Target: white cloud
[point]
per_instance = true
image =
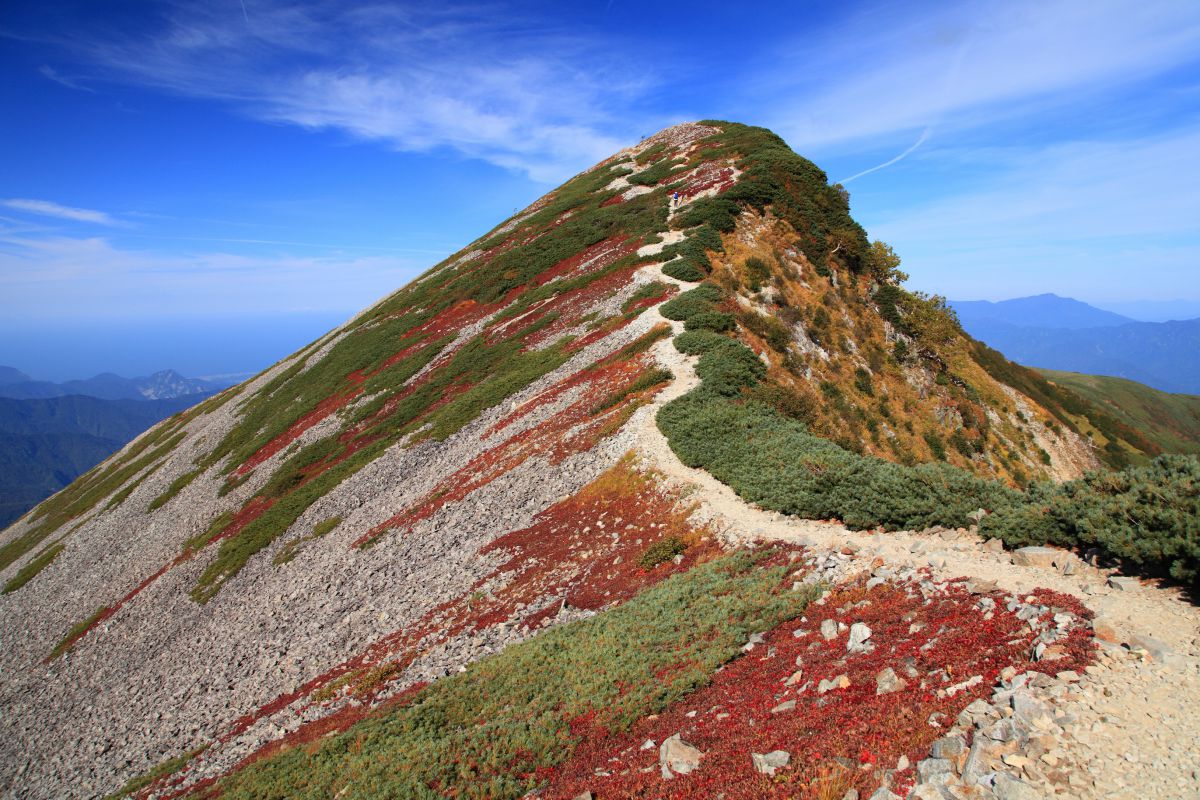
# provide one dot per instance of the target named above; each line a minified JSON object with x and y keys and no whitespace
{"x":470,"y":79}
{"x":904,"y":67}
{"x":48,"y":208}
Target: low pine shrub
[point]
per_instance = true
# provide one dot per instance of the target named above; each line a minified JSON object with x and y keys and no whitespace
{"x":710,"y":321}
{"x":661,"y":551}
{"x":1149,"y":516}
{"x":695,"y":301}
{"x":684,"y":269}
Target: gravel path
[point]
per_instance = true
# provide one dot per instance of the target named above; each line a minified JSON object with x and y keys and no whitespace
{"x":1136,"y":728}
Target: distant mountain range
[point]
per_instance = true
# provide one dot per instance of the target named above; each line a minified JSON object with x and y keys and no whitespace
{"x":1052,"y":332}
{"x":162,"y":385}
{"x":50,"y":433}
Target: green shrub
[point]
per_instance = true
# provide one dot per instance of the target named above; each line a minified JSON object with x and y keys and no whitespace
{"x":936,"y":445}
{"x":658,"y":173}
{"x":862,"y":382}
{"x":710,"y":320}
{"x":683,"y":269}
{"x":776,"y":463}
{"x":1149,"y":517}
{"x":757,"y":272}
{"x":726,"y":366}
{"x":693,"y":301}
{"x":663,"y":550}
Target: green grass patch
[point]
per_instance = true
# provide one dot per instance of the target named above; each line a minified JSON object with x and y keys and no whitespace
{"x":647,"y":291}
{"x":292,"y":548}
{"x":646,"y":380}
{"x":76,"y":630}
{"x":177,"y":486}
{"x":662,"y":551}
{"x":30,"y":570}
{"x":484,"y":733}
{"x":166,"y":768}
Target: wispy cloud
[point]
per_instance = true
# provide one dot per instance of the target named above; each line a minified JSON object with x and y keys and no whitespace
{"x":48,"y":208}
{"x":898,"y":68}
{"x":49,"y":73}
{"x":1101,"y":217}
{"x":473,"y":80}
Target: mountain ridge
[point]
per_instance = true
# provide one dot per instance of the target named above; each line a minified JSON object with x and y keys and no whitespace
{"x":1052,"y":332}
{"x":162,"y":385}
{"x":492,"y":452}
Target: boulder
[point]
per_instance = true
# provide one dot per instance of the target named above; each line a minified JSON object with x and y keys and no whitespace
{"x":767,"y":763}
{"x":784,"y":707}
{"x":829,"y":630}
{"x":859,"y":634}
{"x":676,"y":756}
{"x":1036,"y":556}
{"x":1122,"y":583}
{"x":1156,"y":650}
{"x":887,"y":681}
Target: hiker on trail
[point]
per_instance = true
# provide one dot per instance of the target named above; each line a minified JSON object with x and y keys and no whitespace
{"x":675,"y":199}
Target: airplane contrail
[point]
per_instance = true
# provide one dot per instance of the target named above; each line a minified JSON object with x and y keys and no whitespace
{"x":920,"y":141}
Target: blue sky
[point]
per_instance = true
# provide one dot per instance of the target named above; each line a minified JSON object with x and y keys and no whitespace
{"x":233,"y":164}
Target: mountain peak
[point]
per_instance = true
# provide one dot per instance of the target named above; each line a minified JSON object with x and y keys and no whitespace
{"x":525,"y":436}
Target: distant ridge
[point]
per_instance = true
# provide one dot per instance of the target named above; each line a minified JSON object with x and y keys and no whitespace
{"x":1051,"y":332}
{"x":162,"y":385}
{"x":1038,"y":311}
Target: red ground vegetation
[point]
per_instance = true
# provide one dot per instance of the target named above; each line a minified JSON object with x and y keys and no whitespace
{"x":582,"y":552}
{"x":840,"y":740}
{"x":572,"y":430}
{"x":706,"y":176}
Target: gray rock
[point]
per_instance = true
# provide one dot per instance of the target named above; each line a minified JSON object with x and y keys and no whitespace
{"x":948,"y":747}
{"x":784,"y":707}
{"x":1009,"y":788}
{"x":676,"y":756}
{"x":887,"y":681}
{"x":829,"y":630}
{"x":1122,"y":583}
{"x":993,"y":546}
{"x":859,"y":634}
{"x":1158,"y":651}
{"x":768,"y":763}
{"x":1035,"y":556}
{"x":930,"y":767}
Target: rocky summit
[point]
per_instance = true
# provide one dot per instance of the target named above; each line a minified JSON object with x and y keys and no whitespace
{"x":665,"y":487}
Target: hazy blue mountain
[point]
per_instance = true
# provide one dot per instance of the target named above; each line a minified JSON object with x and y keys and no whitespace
{"x":1040,"y":311}
{"x":46,"y":443}
{"x":162,"y":385}
{"x":1059,"y":333}
{"x":10,"y":375}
